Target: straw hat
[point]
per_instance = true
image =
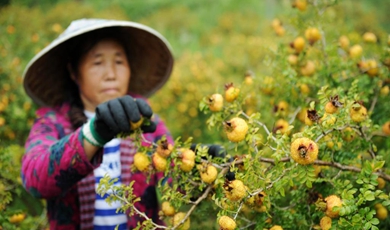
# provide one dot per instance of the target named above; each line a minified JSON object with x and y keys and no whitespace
{"x":46,"y":76}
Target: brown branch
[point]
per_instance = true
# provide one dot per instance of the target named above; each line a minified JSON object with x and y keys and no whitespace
{"x":318,"y":162}
{"x":123,"y":199}
{"x":202,"y":197}
{"x":374,"y":101}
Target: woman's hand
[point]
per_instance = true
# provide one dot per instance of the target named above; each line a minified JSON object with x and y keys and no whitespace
{"x":114,"y":116}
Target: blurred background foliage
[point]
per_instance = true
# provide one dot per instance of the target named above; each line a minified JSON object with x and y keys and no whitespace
{"x":214,"y":42}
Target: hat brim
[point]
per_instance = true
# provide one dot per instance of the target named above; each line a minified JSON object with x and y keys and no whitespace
{"x":46,"y":75}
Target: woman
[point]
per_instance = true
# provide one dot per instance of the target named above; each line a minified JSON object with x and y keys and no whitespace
{"x":90,"y":82}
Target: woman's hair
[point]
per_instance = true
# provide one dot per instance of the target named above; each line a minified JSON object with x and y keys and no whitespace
{"x":77,"y":49}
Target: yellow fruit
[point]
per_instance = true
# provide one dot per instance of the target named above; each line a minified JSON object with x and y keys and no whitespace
{"x":381,"y":183}
{"x":298,"y":44}
{"x":307,"y":120}
{"x":373,"y":69}
{"x":302,"y":115}
{"x":209,"y":174}
{"x":312,"y":35}
{"x":215,"y":102}
{"x":344,"y":42}
{"x":226,"y":223}
{"x":2,"y":121}
{"x":282,"y":126}
{"x":385,"y":90}
{"x":167,"y":209}
{"x":248,"y":80}
{"x":309,"y":69}
{"x":282,"y":108}
{"x":370,"y":67}
{"x":330,"y":108}
{"x":136,"y":125}
{"x":332,"y":201}
{"x":187,"y":165}
{"x":164,"y":149}
{"x":304,"y":151}
{"x":328,"y":119}
{"x":386,"y":128}
{"x":369,"y":37}
{"x":300,"y":4}
{"x":280,"y":31}
{"x":292,"y":59}
{"x":236,"y":129}
{"x":141,"y":161}
{"x":188,"y":160}
{"x":177,"y":218}
{"x":325,"y":223}
{"x":17,"y":218}
{"x":355,"y":51}
{"x":348,"y":134}
{"x":317,"y":170}
{"x":187,"y":154}
{"x":381,"y":211}
{"x":304,"y":89}
{"x":257,"y":201}
{"x":235,"y":190}
{"x":358,"y":114}
{"x":276,"y":227}
{"x":231,"y":92}
{"x":159,"y":162}
{"x":276,"y":23}
{"x":268,"y":85}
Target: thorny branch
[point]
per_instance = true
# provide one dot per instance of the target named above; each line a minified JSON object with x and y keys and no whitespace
{"x":123,"y":199}
{"x":261,"y":124}
{"x":319,"y":162}
{"x":202,"y":197}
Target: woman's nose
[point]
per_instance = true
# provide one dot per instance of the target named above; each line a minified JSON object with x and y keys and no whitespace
{"x":110,"y":72}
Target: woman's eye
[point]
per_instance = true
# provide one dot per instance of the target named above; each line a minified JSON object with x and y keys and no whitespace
{"x":97,"y":63}
{"x":119,"y":62}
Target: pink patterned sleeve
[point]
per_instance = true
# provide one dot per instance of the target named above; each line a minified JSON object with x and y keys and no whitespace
{"x":54,"y":162}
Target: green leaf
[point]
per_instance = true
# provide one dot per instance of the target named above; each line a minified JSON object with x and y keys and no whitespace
{"x":386,"y":203}
{"x":378,"y":165}
{"x":374,"y":221}
{"x":281,"y":191}
{"x":356,"y":218}
{"x":359,"y":181}
{"x":368,"y":195}
{"x":309,"y":184}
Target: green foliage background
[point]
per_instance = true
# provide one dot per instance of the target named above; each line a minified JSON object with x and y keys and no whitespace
{"x":214,"y":42}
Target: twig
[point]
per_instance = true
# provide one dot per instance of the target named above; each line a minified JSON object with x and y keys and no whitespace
{"x":248,"y":225}
{"x":370,"y":150}
{"x":294,"y":115}
{"x":202,"y":197}
{"x":374,"y":102}
{"x":261,"y":124}
{"x":272,"y":183}
{"x":238,"y":210}
{"x":329,"y":131}
{"x":317,"y":162}
{"x":140,"y":213}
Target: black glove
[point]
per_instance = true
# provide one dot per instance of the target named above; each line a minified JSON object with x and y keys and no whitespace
{"x":113,"y":117}
{"x":213,"y":150}
{"x":217,"y":151}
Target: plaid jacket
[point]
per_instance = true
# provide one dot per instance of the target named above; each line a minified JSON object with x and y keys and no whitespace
{"x":56,"y":168}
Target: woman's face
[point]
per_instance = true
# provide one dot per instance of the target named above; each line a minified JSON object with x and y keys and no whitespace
{"x":103,"y":74}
